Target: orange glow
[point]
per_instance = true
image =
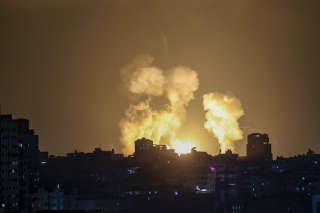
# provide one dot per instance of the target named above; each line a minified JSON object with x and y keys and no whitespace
{"x":145,"y":117}
{"x":222,"y":114}
{"x":182,"y":146}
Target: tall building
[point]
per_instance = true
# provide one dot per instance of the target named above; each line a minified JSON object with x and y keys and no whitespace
{"x":258,"y":147}
{"x":143,"y":145}
{"x":148,"y":153}
{"x":19,"y":172}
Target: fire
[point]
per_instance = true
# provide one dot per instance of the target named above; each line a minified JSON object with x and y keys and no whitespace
{"x":159,"y":101}
{"x":182,"y":146}
{"x":148,"y":117}
{"x":222,"y":114}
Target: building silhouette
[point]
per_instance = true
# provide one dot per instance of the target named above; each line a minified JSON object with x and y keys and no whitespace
{"x":258,"y":147}
{"x":143,"y":145}
{"x":154,"y":179}
{"x":19,"y":164}
{"x":148,"y":152}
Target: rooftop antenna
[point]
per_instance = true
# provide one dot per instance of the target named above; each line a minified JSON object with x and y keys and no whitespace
{"x":219,"y":148}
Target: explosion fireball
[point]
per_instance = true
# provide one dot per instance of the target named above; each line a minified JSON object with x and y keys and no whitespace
{"x":182,"y":146}
{"x":147,"y":118}
{"x":222,"y":114}
{"x":159,"y":121}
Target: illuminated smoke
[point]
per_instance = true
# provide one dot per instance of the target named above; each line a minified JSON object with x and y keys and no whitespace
{"x":147,"y":80}
{"x":182,"y":83}
{"x":222,"y":114}
{"x":147,"y":117}
{"x":140,"y":77}
{"x":143,"y":121}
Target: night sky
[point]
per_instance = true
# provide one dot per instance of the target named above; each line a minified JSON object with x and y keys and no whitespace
{"x":60,"y":63}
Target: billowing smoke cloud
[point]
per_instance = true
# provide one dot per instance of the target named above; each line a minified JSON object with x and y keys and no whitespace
{"x":147,"y":80}
{"x":145,"y":118}
{"x":182,"y":82}
{"x":222,"y":114}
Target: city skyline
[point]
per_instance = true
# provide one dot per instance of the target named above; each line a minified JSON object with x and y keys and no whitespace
{"x":154,"y":178}
{"x":61,"y":62}
{"x":114,"y":106}
{"x":255,"y":143}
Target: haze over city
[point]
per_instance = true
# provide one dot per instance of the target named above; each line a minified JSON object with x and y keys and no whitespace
{"x":117,"y":106}
{"x":61,"y":65}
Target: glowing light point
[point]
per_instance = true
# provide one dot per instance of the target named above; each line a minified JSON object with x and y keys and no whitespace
{"x":182,"y":146}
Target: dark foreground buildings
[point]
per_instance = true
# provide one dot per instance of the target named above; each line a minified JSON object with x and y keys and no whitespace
{"x":156,"y":179}
{"x":258,"y":147}
{"x":153,"y":179}
{"x":19,"y":165}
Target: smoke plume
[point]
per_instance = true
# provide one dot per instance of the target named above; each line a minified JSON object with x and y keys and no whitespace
{"x":182,"y":82}
{"x":146,"y":117}
{"x":222,"y":114}
{"x":147,"y":80}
